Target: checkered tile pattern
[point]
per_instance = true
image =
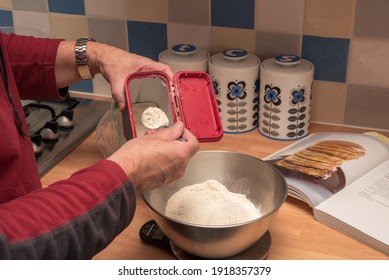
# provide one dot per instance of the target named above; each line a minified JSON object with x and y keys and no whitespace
{"x":347,"y":41}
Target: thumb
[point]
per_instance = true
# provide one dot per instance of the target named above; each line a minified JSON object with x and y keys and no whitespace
{"x":173,"y":132}
{"x":178,"y":129}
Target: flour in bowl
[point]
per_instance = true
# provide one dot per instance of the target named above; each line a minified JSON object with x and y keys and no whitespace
{"x":210,"y":203}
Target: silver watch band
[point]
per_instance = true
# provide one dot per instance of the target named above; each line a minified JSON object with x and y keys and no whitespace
{"x":82,"y":59}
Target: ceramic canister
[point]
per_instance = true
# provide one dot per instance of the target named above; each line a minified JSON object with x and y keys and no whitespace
{"x":185,"y":57}
{"x":235,"y":75}
{"x":180,"y":57}
{"x":285,"y":97}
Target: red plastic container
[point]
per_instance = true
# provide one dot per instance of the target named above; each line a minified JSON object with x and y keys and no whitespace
{"x":192,"y":101}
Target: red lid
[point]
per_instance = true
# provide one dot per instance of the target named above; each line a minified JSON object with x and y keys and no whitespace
{"x":198,"y":105}
{"x":193,"y":102}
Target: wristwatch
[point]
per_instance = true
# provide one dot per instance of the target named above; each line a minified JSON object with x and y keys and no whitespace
{"x":82,"y":59}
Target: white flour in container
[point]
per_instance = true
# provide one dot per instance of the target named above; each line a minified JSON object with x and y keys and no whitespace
{"x":154,"y":118}
{"x":210,"y":203}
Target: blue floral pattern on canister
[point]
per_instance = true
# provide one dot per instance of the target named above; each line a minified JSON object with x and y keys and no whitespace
{"x":272,"y":99}
{"x":236,"y":93}
{"x":272,"y":95}
{"x":256,"y":103}
{"x":235,"y":75}
{"x":236,"y":90}
{"x":216,"y":87}
{"x":285,"y":97}
{"x":297,"y":113}
{"x":298,"y":96}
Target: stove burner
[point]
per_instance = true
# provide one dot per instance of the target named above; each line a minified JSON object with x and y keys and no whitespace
{"x":65,"y":119}
{"x":258,"y":251}
{"x":57,"y":127}
{"x":50,"y":131}
{"x":37,"y":145}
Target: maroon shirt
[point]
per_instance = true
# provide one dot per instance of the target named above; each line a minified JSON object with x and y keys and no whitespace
{"x":70,"y":219}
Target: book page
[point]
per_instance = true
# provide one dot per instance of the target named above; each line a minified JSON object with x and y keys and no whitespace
{"x":363,"y":206}
{"x":316,"y":190}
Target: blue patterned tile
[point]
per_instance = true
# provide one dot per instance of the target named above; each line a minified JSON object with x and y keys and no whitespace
{"x":233,"y":13}
{"x":83,"y":86}
{"x":6,"y":18}
{"x":329,"y":55}
{"x":75,"y":7}
{"x":147,"y":38}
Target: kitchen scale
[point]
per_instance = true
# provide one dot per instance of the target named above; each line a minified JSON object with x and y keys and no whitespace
{"x":151,"y":234}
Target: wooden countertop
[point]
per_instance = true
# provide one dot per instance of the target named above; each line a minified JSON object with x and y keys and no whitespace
{"x":295,"y":233}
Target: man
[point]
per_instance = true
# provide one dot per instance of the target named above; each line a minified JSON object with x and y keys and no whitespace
{"x":78,"y":217}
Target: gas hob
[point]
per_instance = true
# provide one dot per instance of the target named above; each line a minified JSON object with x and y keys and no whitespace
{"x":58,"y":127}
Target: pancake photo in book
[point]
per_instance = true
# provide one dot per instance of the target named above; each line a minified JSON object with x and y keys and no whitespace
{"x":344,"y":177}
{"x":320,"y":163}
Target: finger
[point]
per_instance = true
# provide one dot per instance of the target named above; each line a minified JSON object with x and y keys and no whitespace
{"x":178,"y":129}
{"x":171,"y":133}
{"x":150,"y":131}
{"x":168,"y":71}
{"x":188,"y":136}
{"x":119,"y":97}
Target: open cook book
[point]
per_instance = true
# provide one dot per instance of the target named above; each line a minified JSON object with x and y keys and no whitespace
{"x":344,"y":177}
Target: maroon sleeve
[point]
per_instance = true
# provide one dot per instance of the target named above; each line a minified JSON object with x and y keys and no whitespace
{"x":70,"y":219}
{"x":32,"y":61}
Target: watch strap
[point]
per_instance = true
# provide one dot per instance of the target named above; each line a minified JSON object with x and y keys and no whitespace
{"x":82,"y":58}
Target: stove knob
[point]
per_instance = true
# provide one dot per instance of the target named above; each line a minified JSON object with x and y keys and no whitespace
{"x":65,"y":119}
{"x":37,"y":145}
{"x":50,"y":131}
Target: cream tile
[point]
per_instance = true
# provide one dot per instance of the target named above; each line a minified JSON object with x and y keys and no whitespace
{"x":109,"y":31}
{"x":69,"y":27}
{"x":223,"y":38}
{"x":34,"y":20}
{"x":197,"y":35}
{"x":331,"y":18}
{"x":104,"y":8}
{"x":147,"y":10}
{"x":28,"y":5}
{"x":328,"y":102}
{"x":101,"y":87}
{"x":369,"y":62}
{"x":271,"y":44}
{"x":371,"y":18}
{"x":279,"y":16}
{"x":367,"y":107}
{"x":189,"y":11}
{"x":6,"y":4}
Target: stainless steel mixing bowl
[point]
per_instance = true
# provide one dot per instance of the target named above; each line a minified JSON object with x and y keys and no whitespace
{"x":259,"y":181}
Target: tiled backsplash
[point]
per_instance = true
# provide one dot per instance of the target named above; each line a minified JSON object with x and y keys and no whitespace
{"x":347,"y":40}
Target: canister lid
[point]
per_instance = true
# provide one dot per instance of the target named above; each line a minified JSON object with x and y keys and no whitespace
{"x":235,"y":54}
{"x":183,"y":49}
{"x":183,"y":53}
{"x":287,"y":63}
{"x":287,"y":59}
{"x":198,"y":105}
{"x":235,"y":59}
